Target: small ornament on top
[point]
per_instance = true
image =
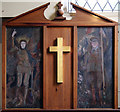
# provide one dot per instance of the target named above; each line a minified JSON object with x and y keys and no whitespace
{"x":60,"y":12}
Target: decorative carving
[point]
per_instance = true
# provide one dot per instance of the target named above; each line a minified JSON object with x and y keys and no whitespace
{"x":59,"y":12}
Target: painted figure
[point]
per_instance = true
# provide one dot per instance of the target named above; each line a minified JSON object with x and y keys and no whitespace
{"x":94,"y":71}
{"x":92,"y":48}
{"x":24,"y":68}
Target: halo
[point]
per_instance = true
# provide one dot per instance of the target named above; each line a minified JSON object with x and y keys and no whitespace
{"x":23,"y":37}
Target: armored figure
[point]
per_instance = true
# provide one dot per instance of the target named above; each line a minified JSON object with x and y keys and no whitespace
{"x":94,"y":67}
{"x":94,"y":56}
{"x":91,"y":55}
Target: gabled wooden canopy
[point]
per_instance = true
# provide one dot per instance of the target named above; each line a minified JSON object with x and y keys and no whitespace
{"x":83,"y":17}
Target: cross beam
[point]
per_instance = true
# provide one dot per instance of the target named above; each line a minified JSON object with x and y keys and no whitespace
{"x":59,"y":49}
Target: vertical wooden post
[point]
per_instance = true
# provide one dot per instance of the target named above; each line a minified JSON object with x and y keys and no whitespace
{"x":116,"y":67}
{"x":44,"y":64}
{"x":75,"y":67}
{"x":4,"y":66}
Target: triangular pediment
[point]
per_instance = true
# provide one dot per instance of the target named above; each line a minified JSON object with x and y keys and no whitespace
{"x":82,"y":16}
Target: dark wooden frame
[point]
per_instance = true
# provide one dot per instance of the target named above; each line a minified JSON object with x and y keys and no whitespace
{"x":23,"y":20}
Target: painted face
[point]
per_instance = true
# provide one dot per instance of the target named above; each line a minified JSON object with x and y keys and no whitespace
{"x":95,"y":44}
{"x":23,"y":44}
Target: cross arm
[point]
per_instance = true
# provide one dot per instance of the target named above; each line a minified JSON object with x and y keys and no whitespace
{"x":66,"y":48}
{"x":53,"y":49}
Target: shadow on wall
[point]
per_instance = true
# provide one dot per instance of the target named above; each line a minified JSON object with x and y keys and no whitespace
{"x":50,"y":12}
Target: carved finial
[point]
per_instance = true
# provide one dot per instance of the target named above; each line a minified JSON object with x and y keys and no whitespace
{"x":59,"y":12}
{"x":59,"y":5}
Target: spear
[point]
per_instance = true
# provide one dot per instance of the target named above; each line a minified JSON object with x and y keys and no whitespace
{"x":102,"y":55}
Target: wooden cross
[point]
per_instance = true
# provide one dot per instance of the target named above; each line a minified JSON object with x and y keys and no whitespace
{"x":59,"y":49}
{"x":59,"y":5}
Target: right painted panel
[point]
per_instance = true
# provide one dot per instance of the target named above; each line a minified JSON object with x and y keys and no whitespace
{"x":95,"y":67}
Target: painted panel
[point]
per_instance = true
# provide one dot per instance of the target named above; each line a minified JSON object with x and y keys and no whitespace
{"x":95,"y":67}
{"x":24,"y":67}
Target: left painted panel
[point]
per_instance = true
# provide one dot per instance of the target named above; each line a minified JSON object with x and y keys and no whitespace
{"x":24,"y":74}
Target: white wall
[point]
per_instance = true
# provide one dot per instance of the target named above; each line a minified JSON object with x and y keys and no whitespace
{"x":12,"y":8}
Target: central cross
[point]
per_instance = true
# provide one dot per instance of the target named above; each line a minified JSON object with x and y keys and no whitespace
{"x":59,"y":49}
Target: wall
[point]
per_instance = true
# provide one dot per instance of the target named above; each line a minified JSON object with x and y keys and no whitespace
{"x":12,"y":8}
